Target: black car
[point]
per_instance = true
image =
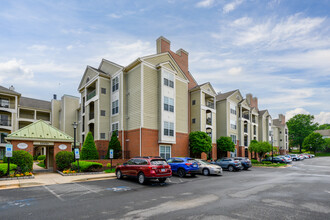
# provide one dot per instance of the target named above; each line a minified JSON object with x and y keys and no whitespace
{"x":276,"y":160}
{"x":246,"y":163}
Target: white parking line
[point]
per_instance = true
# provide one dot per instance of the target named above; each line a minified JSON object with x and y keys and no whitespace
{"x":52,"y":192}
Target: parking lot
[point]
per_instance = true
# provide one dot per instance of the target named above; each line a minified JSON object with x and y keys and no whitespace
{"x":298,"y":192}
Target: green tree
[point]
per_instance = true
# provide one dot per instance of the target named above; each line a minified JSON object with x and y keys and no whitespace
{"x":199,"y":142}
{"x":327,"y":142}
{"x":225,"y":144}
{"x":260,"y":148}
{"x":115,"y":145}
{"x":314,"y":142}
{"x":253,"y":146}
{"x":324,"y":127}
{"x":300,"y":126}
{"x":88,"y":151}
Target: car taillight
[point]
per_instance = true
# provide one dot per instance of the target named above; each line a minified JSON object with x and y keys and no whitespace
{"x":188,"y":164}
{"x":154,"y":168}
{"x":235,"y":162}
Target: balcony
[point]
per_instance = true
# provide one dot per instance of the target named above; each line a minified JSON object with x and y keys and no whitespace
{"x":91,"y":94}
{"x":246,"y":116}
{"x":4,"y":103}
{"x":5,"y":122}
{"x":91,"y":115}
{"x":210,"y":105}
{"x":209,"y":121}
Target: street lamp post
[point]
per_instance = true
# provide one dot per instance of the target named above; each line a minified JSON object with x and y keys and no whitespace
{"x":272,"y":149}
{"x":74,"y":137}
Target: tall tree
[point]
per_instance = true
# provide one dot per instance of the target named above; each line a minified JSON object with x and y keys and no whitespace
{"x":314,"y":142}
{"x":253,"y":146}
{"x":300,"y":126}
{"x":225,"y":144}
{"x":200,"y":142}
{"x":115,"y":145}
{"x":324,"y":127}
{"x":88,"y":151}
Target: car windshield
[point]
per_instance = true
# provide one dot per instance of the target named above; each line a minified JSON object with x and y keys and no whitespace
{"x":191,"y":161}
{"x":158,"y":162}
{"x":203,"y":162}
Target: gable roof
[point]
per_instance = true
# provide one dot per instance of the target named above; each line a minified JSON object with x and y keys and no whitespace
{"x":41,"y":131}
{"x":34,"y":103}
{"x":263,"y":112}
{"x":5,"y":90}
{"x":223,"y":96}
{"x":201,"y":85}
{"x":324,"y":132}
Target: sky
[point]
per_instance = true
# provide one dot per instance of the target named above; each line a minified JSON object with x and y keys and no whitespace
{"x":277,"y":50}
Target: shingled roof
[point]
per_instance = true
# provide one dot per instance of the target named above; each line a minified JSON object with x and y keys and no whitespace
{"x":223,"y":96}
{"x":5,"y":90}
{"x":35,"y":103}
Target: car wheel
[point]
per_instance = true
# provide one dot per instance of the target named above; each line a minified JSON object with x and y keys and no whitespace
{"x":231,"y":168}
{"x":181,"y":173}
{"x":162,"y":180}
{"x":245,"y":168}
{"x":141,"y":178}
{"x":119,"y":174}
{"x":206,"y":172}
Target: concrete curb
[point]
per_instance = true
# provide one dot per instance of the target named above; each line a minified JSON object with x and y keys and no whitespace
{"x":17,"y":178}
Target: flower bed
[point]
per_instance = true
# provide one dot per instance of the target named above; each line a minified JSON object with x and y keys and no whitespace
{"x":77,"y":174}
{"x":26,"y":175}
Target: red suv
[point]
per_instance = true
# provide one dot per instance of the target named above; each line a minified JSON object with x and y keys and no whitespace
{"x":144,"y":168}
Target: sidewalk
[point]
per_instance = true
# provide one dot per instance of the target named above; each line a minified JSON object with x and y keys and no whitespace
{"x":52,"y":178}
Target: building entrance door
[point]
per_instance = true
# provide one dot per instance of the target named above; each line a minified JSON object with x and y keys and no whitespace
{"x":50,"y":158}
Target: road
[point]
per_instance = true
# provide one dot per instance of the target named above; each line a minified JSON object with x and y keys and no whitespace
{"x":298,"y":192}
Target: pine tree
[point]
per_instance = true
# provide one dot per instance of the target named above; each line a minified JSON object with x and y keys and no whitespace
{"x":115,"y":145}
{"x":88,"y":151}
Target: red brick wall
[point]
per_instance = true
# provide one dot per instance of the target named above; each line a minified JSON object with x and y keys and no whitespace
{"x":105,"y":162}
{"x":214,"y":151}
{"x":29,"y":149}
{"x":133,"y":143}
{"x":181,"y":148}
{"x":57,"y":149}
{"x":102,"y":147}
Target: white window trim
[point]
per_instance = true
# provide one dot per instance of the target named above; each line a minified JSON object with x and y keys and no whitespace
{"x":164,"y":145}
{"x":112,"y":108}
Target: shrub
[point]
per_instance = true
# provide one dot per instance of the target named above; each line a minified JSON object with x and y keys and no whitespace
{"x":4,"y":167}
{"x":267,"y":155}
{"x":266,"y":162}
{"x":88,"y":151}
{"x":254,"y":161}
{"x":22,"y":159}
{"x":35,"y":157}
{"x":225,"y":144}
{"x":86,"y":166}
{"x":64,"y":159}
{"x":42,"y":157}
{"x":115,"y":145}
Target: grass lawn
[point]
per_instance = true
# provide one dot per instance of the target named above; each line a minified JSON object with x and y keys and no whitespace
{"x":322,"y":155}
{"x":110,"y":170}
{"x":269,"y":165}
{"x":41,"y":164}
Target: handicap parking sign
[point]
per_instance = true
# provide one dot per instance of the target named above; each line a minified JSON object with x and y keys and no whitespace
{"x":76,"y":153}
{"x":111,"y":153}
{"x":9,"y":150}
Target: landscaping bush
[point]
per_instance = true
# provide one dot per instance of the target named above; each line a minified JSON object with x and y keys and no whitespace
{"x":64,"y":160}
{"x":86,"y":166}
{"x":35,"y":157}
{"x":115,"y":145}
{"x":4,"y":167}
{"x":22,"y":159}
{"x":266,"y":162}
{"x":42,"y":157}
{"x":254,"y":161}
{"x":88,"y":150}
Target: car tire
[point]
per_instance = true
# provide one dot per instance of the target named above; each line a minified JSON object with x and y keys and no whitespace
{"x":162,"y":180}
{"x":245,"y":168}
{"x":141,"y":178}
{"x":119,"y":174}
{"x":206,"y":172}
{"x":181,"y":173}
{"x":231,"y":168}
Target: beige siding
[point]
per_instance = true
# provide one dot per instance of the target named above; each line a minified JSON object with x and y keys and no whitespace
{"x":222,"y":119}
{"x":168,"y":66}
{"x":134,"y":98}
{"x":56,"y":107}
{"x":109,"y":68}
{"x":181,"y":105}
{"x":104,"y":105}
{"x":71,"y":104}
{"x":195,"y":110}
{"x":89,"y":74}
{"x":150,"y":98}
{"x":208,"y":89}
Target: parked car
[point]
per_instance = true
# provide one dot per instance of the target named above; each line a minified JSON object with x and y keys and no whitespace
{"x":295,"y":157}
{"x":207,"y":168}
{"x":312,"y":155}
{"x":302,"y":157}
{"x":246,"y":163}
{"x":145,"y":168}
{"x":276,"y":160}
{"x":305,"y":156}
{"x":287,"y":159}
{"x":183,"y":165}
{"x":229,"y":163}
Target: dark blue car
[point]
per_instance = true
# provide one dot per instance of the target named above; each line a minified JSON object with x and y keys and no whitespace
{"x":183,"y":165}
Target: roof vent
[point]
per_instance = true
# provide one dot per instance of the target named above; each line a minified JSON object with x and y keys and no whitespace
{"x":12,"y":88}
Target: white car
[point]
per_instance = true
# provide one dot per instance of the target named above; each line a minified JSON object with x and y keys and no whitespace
{"x":287,"y":160}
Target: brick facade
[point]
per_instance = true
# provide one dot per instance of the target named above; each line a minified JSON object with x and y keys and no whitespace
{"x":102,"y":147}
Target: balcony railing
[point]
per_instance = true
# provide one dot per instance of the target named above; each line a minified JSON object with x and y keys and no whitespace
{"x":254,"y":120}
{"x":91,"y":115}
{"x":210,"y":104}
{"x":4,"y":104}
{"x":5,"y":123}
{"x":91,"y":94}
{"x":246,"y":117}
{"x":245,"y":130}
{"x":209,"y":121}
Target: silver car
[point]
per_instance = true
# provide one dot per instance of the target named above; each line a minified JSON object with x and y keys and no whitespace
{"x":207,"y":168}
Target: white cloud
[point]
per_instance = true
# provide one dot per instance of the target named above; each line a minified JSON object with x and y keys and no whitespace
{"x":231,"y":6}
{"x":69,"y":47}
{"x":38,"y":47}
{"x":321,"y":118}
{"x":113,"y":15}
{"x":241,"y":21}
{"x":205,"y":3}
{"x":235,"y":71}
{"x":14,"y":70}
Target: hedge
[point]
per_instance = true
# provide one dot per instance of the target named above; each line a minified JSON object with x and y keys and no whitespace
{"x":254,"y":161}
{"x":4,"y":167}
{"x":22,"y":159}
{"x":64,"y":160}
{"x":42,"y":157}
{"x":86,"y":166}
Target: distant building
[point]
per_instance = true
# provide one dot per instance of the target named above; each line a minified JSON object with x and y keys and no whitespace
{"x":324,"y":133}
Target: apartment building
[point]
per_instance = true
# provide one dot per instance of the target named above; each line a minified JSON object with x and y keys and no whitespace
{"x":17,"y":112}
{"x":280,"y":134}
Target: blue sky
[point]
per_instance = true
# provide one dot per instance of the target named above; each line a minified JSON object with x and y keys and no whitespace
{"x":277,"y":50}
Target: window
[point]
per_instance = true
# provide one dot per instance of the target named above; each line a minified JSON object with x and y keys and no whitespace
{"x":194,"y":120}
{"x":233,"y":138}
{"x":168,"y":104}
{"x":168,"y":79}
{"x":83,"y":138}
{"x":115,"y":84}
{"x":102,"y":135}
{"x":232,"y":109}
{"x":168,"y":128}
{"x":233,"y":124}
{"x":165,"y":151}
{"x":102,"y":112}
{"x":2,"y":137}
{"x":4,"y":103}
{"x":193,"y":102}
{"x":114,"y":127}
{"x":103,"y":90}
{"x":115,"y":107}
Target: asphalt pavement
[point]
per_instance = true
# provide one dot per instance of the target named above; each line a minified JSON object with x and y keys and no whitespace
{"x":298,"y":192}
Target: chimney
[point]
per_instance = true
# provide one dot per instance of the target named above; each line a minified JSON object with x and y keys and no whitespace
{"x":249,"y":98}
{"x":255,"y":101}
{"x":281,"y":118}
{"x":12,"y":88}
{"x":163,"y":45}
{"x":54,"y":96}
